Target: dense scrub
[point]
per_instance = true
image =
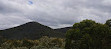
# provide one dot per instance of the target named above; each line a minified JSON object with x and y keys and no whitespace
{"x":42,"y":43}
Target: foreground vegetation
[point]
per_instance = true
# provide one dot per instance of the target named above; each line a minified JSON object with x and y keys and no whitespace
{"x":42,"y":43}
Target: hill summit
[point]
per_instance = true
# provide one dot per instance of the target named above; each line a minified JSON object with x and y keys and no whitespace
{"x":30,"y":30}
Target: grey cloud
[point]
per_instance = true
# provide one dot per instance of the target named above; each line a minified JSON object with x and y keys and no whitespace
{"x":6,"y":7}
{"x":53,"y":13}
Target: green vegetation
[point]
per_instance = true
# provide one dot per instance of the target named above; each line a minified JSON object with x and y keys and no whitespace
{"x":42,"y":43}
{"x":88,"y":35}
{"x":108,"y":22}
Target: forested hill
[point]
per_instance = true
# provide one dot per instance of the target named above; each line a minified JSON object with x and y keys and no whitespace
{"x":30,"y":30}
{"x":63,"y":30}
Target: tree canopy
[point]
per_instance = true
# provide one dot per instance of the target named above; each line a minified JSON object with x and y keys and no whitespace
{"x":88,"y":35}
{"x":108,"y":22}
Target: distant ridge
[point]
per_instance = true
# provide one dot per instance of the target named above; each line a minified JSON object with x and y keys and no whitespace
{"x":30,"y":30}
{"x":63,"y":30}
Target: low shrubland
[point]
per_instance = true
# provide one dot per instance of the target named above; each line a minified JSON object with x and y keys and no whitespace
{"x":42,"y":43}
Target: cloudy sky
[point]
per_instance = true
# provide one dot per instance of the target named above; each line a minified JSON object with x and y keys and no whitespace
{"x":53,"y":13}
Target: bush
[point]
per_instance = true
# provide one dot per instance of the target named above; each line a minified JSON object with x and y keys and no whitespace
{"x":42,"y":43}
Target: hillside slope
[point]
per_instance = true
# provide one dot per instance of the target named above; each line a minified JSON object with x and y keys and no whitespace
{"x":63,"y":30}
{"x":30,"y":30}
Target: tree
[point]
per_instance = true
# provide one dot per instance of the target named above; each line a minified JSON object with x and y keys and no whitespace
{"x":87,"y":35}
{"x":73,"y":38}
{"x":108,"y":22}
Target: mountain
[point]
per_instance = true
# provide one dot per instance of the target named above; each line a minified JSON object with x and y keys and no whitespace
{"x":63,"y":30}
{"x":30,"y":30}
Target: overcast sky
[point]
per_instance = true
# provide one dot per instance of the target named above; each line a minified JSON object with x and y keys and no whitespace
{"x":53,"y":13}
